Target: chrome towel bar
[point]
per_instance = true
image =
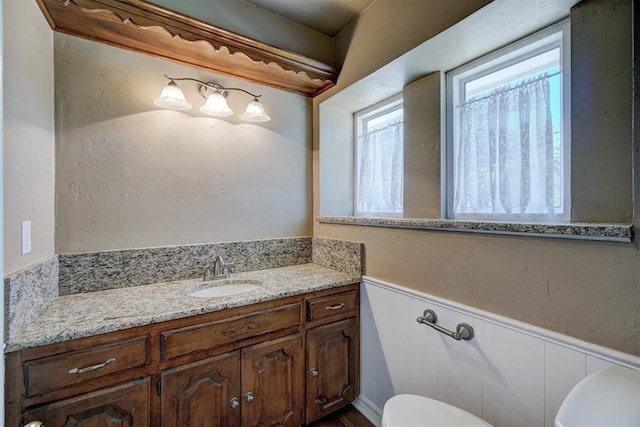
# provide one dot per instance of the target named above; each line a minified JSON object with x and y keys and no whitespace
{"x":463,"y":331}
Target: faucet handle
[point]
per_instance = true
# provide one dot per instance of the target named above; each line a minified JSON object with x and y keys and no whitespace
{"x":208,"y":273}
{"x":226,"y":271}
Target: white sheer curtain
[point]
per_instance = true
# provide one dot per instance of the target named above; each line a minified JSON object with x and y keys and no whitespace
{"x":504,"y":159}
{"x":380,"y":166}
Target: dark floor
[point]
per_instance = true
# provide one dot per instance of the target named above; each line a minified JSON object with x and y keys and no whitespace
{"x":345,"y":417}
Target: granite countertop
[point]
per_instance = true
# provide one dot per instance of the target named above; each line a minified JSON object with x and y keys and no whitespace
{"x":86,"y":314}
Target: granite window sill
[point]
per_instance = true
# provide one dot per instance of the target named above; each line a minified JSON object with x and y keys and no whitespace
{"x":580,"y":231}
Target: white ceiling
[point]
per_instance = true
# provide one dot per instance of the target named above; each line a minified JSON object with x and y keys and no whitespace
{"x":325,"y":16}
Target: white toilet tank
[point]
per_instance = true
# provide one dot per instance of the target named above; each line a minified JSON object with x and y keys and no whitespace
{"x":608,"y":397}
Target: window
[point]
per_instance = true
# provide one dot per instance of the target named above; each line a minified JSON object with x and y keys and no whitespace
{"x":379,"y":160}
{"x":508,"y":152}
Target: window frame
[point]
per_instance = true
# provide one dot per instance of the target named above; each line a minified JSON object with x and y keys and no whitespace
{"x":360,"y":118}
{"x":556,"y":35}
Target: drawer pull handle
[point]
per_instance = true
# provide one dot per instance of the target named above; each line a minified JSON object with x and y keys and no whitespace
{"x":92,"y":368}
{"x":35,"y":424}
{"x":334,"y":307}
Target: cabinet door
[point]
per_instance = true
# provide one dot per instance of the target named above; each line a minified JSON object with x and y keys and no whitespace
{"x":124,"y":405}
{"x":272,"y":383}
{"x":332,"y":363}
{"x":204,"y":393}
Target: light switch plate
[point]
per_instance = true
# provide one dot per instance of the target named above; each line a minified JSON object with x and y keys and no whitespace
{"x":25,"y":229}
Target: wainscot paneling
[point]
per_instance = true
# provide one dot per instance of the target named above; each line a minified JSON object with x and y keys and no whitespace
{"x":511,"y":374}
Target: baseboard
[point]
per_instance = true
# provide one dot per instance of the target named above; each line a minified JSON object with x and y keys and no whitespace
{"x":368,"y":409}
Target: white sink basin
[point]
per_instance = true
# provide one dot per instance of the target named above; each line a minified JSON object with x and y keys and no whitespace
{"x":224,"y":288}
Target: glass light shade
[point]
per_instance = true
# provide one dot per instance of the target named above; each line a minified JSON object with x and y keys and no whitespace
{"x":172,"y":98}
{"x":216,"y":105}
{"x":255,"y":112}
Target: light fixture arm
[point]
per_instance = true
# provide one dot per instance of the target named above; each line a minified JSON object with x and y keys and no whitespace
{"x":214,"y":86}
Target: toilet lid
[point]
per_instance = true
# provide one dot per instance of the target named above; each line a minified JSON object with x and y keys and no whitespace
{"x":408,"y":410}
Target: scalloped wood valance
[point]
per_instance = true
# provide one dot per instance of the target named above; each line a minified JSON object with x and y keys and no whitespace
{"x":150,"y":29}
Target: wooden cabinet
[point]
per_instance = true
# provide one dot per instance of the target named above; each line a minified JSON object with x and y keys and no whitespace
{"x":273,"y":383}
{"x":202,"y":393}
{"x":48,"y":374}
{"x":333,"y":306}
{"x":124,"y":405}
{"x":285,"y":363}
{"x":194,"y":338}
{"x":332,"y":358}
{"x":332,"y":352}
{"x":261,"y":385}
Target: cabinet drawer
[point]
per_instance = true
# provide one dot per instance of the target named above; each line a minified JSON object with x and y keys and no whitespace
{"x":319,"y":308}
{"x":186,"y":340}
{"x":51,"y":373}
{"x":123,"y":405}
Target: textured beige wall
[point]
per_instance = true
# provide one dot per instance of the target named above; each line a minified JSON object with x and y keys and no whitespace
{"x":336,"y":177}
{"x":585,"y":289}
{"x":389,"y":28}
{"x":130,"y":174}
{"x":422,"y":155}
{"x":28,"y":132}
{"x":601,"y":161}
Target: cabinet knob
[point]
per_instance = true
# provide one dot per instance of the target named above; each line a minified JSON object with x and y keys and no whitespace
{"x":234,"y":402}
{"x":313,"y":372}
{"x":35,"y":424}
{"x":248,"y":397}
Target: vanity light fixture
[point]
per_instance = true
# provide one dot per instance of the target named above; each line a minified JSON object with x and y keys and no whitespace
{"x":216,"y":105}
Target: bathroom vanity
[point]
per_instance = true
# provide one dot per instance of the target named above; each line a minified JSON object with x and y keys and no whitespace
{"x":283,"y":355}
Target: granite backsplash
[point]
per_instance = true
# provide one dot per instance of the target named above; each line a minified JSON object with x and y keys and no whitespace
{"x":341,"y":255}
{"x":97,"y":271}
{"x":27,"y":293}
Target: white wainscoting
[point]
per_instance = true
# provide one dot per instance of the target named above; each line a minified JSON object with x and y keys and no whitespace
{"x":511,"y":374}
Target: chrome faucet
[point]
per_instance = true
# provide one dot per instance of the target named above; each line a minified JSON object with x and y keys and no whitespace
{"x":220,"y":270}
